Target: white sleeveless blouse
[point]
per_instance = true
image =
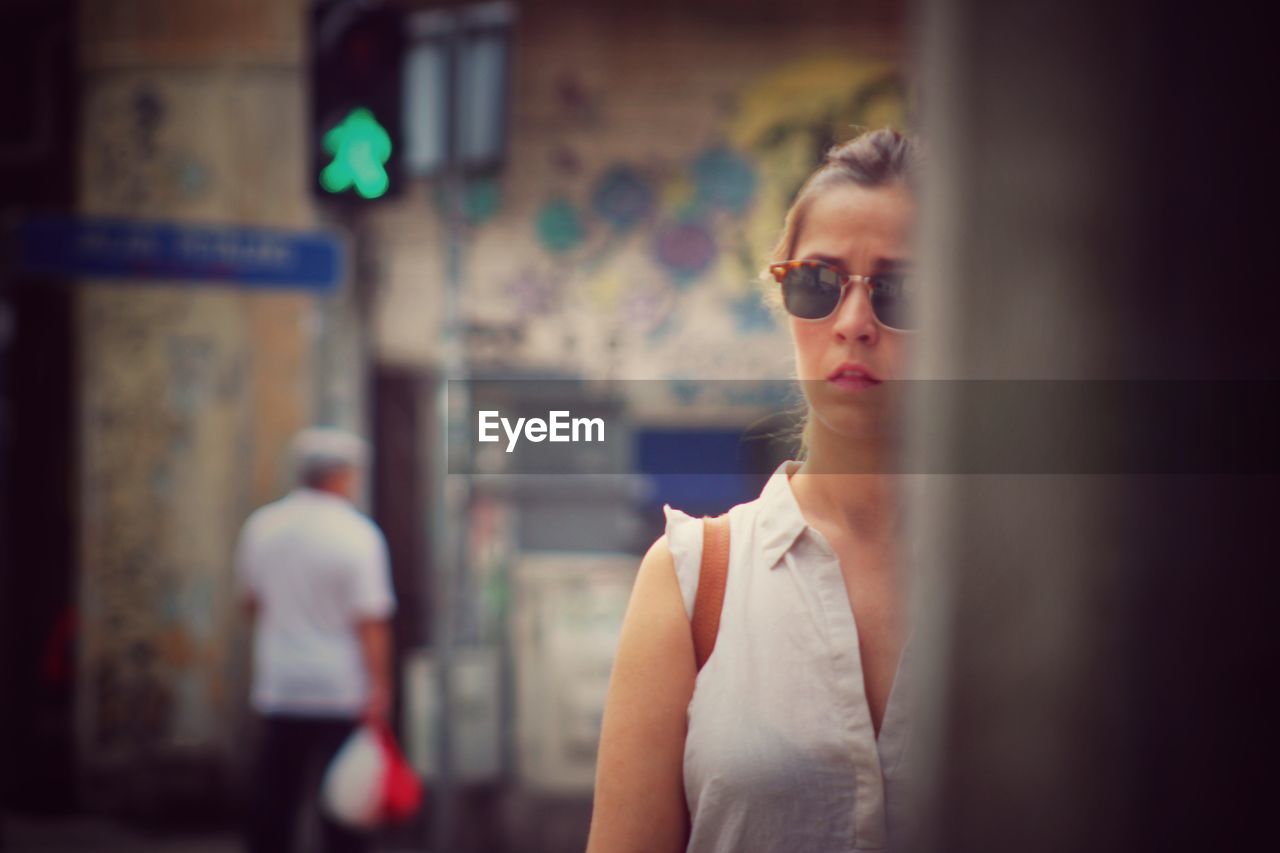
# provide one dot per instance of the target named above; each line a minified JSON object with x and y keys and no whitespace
{"x":781,"y":754}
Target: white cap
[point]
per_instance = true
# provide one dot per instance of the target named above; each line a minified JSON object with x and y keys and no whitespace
{"x":318,"y":452}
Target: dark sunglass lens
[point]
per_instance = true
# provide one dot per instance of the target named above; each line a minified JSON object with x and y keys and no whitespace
{"x":811,"y":292}
{"x":892,"y":300}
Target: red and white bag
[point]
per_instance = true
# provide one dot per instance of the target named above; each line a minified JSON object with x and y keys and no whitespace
{"x":369,"y":783}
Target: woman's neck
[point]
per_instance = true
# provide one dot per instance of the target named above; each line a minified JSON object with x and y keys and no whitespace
{"x":850,"y":483}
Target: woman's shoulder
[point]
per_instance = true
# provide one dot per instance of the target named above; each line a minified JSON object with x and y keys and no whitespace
{"x":684,"y":532}
{"x":681,"y":545}
{"x":683,"y":540}
{"x":655,"y":595}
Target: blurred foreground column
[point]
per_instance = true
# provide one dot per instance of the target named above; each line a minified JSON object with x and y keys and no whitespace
{"x":192,"y":111}
{"x":1100,"y":647}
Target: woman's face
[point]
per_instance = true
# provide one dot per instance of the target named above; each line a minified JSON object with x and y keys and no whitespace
{"x":843,"y":361}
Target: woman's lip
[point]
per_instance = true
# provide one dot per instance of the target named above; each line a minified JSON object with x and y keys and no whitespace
{"x":853,"y":382}
{"x":850,"y":370}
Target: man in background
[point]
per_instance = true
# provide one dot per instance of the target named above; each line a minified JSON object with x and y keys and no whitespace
{"x":314,"y":576}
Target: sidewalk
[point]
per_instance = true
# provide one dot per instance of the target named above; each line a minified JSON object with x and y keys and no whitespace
{"x":507,"y":821}
{"x":78,"y":834}
{"x":82,"y":834}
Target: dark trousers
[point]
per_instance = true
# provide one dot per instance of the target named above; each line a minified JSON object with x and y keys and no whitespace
{"x":291,"y":758}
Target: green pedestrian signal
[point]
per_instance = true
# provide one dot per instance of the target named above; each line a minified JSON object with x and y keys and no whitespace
{"x":360,"y":148}
{"x":357,"y":67}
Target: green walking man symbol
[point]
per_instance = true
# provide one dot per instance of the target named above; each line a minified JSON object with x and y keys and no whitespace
{"x":360,"y":148}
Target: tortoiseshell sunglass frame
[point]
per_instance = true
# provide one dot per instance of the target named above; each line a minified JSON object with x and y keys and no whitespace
{"x":779,"y":272}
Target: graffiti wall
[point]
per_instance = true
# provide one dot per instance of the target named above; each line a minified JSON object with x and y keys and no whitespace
{"x":187,"y":395}
{"x":163,"y":411}
{"x":626,"y":237}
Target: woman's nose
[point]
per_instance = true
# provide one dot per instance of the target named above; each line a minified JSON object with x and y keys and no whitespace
{"x":854,"y":318}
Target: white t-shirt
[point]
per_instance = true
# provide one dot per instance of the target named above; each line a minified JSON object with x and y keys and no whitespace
{"x":316,"y":567}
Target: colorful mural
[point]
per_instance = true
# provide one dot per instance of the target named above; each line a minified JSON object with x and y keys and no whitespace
{"x":559,"y":225}
{"x":622,"y":198}
{"x":655,"y":259}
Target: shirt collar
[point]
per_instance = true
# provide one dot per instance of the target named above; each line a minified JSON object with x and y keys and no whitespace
{"x":320,"y":495}
{"x":781,"y":521}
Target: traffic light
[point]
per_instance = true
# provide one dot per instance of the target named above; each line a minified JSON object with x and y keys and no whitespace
{"x":357,"y":51}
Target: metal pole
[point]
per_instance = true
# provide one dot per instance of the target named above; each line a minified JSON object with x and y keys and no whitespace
{"x":453,"y":490}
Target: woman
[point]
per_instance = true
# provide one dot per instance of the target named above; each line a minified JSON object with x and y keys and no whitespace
{"x":787,"y":739}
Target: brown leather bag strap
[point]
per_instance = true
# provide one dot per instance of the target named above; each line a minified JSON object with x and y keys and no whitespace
{"x":709,"y":600}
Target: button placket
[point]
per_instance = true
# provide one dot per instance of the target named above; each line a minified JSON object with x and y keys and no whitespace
{"x":869,"y":830}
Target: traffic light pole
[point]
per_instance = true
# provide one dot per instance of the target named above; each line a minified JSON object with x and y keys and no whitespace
{"x":453,"y":489}
{"x":454,"y":32}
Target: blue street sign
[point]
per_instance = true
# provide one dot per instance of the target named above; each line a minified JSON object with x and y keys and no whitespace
{"x":120,"y":248}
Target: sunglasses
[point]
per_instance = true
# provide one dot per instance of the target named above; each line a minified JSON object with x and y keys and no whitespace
{"x":813,"y":290}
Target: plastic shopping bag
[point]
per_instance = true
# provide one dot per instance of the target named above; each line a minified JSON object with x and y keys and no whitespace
{"x":401,"y":789}
{"x":369,"y":782}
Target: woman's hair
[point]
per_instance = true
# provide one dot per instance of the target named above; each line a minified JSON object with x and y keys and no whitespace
{"x":876,"y":158}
